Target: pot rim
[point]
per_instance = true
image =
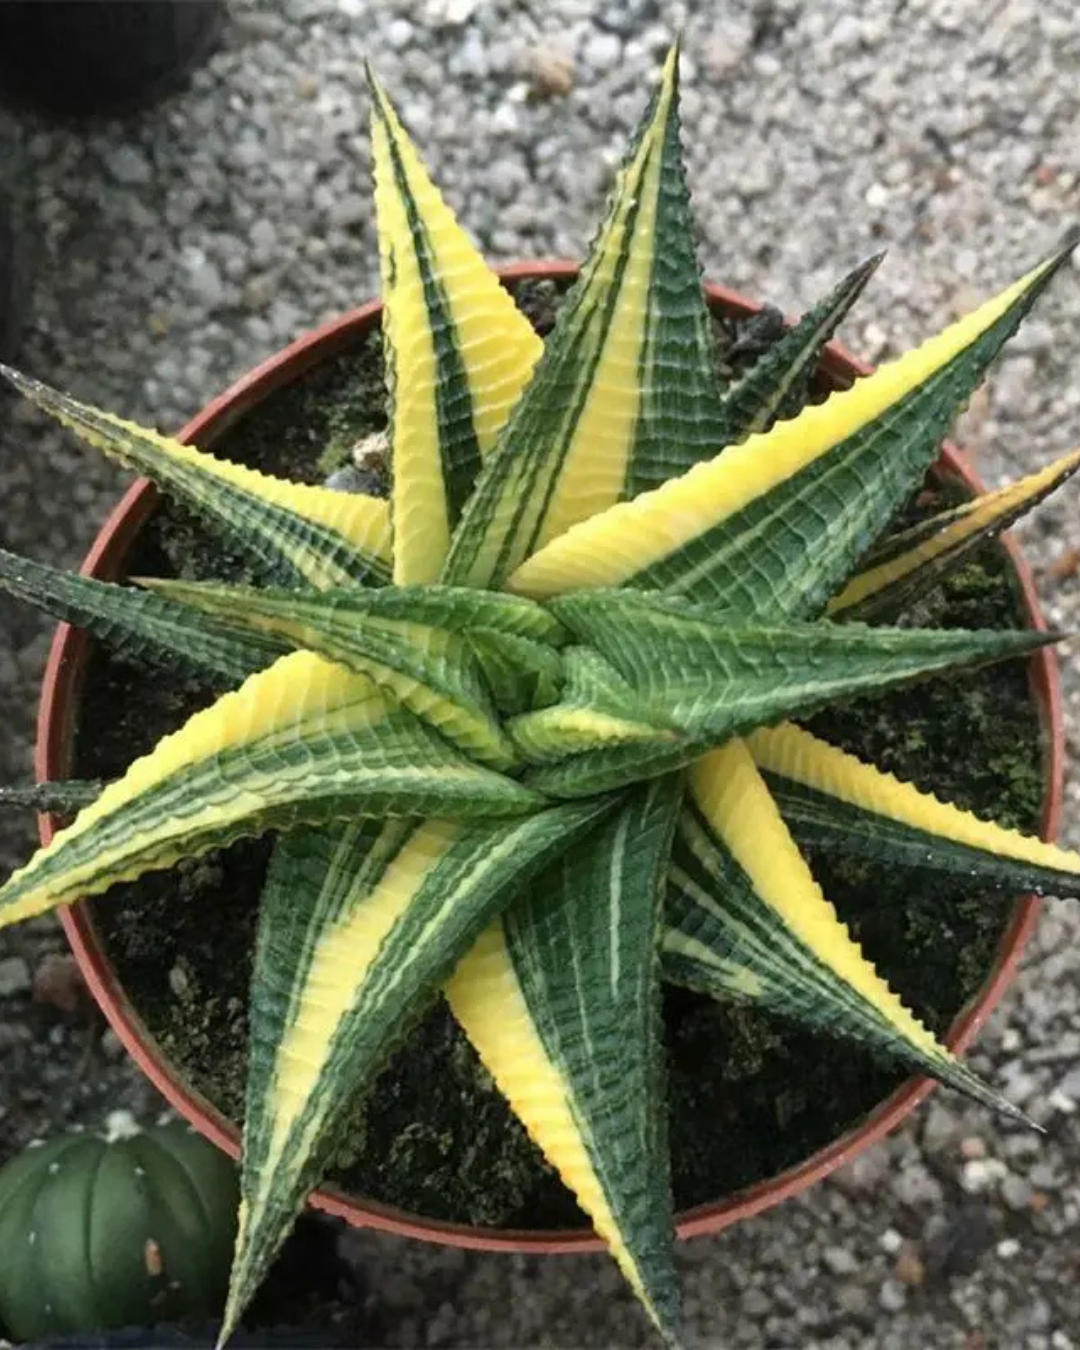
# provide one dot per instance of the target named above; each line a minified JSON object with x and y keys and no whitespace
{"x":56,"y":718}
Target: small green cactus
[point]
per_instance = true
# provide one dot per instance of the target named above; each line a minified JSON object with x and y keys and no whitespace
{"x":129,"y":1228}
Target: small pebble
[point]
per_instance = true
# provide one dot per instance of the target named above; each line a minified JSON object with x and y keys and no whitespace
{"x":840,"y":1261}
{"x":917,"y":1187}
{"x":58,"y":982}
{"x":14,"y":977}
{"x":909,"y":1267}
{"x":853,"y":1300}
{"x":111,"y":1045}
{"x":129,"y":166}
{"x":552,"y":72}
{"x":893,"y":1296}
{"x":982,"y":1174}
{"x":121,"y":1124}
{"x":1016,"y":1192}
{"x":399,"y":34}
{"x":179,"y":982}
{"x":206,"y":283}
{"x":890,"y":1241}
{"x":1044,"y":1177}
{"x":601,"y":52}
{"x":864,"y":1173}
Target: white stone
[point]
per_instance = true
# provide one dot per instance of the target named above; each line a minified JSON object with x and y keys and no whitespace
{"x":982,"y":1174}
{"x":890,"y":1241}
{"x":14,"y":977}
{"x":602,"y":52}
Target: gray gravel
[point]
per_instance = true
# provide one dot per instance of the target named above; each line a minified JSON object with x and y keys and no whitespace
{"x":177,"y":248}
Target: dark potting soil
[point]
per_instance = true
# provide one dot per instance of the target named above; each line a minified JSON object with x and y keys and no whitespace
{"x":749,"y":1094}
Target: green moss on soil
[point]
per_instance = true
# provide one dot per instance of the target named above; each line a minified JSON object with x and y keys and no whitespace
{"x":749,"y":1094}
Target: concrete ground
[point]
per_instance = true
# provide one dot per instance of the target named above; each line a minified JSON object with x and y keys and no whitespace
{"x":174,"y":249}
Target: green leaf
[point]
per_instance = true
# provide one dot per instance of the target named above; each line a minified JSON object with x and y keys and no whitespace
{"x":453,"y":608}
{"x":746,"y":920}
{"x":458,"y":352}
{"x":833,"y":801}
{"x":303,"y":742}
{"x":412,"y":641}
{"x":138,"y":625}
{"x":708,"y":677}
{"x":896,"y":573}
{"x":773,"y":526}
{"x":520,"y":672}
{"x":358,"y":927}
{"x":297,"y":534}
{"x":59,"y":798}
{"x":597,"y":708}
{"x":626,"y":393}
{"x":561,"y":1000}
{"x":776,"y":384}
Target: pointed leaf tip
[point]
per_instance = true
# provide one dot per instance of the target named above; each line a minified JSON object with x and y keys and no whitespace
{"x":1069,"y":240}
{"x":670,"y":71}
{"x":379,"y":98}
{"x":295,"y":532}
{"x":1057,"y":259}
{"x":834,"y":802}
{"x":698,"y":534}
{"x":357,"y":927}
{"x":903,"y":566}
{"x":626,"y":394}
{"x":866,"y":269}
{"x":25,"y":384}
{"x":747,"y":919}
{"x":562,"y":1004}
{"x":458,"y":351}
{"x":779,"y":382}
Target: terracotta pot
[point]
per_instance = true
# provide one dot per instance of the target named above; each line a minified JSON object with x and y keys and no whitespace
{"x":59,"y":707}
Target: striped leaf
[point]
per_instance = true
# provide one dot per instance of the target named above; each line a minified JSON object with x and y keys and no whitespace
{"x":295,"y":533}
{"x":908,"y":563}
{"x":774,"y":525}
{"x":598,"y":708}
{"x":746,"y":920}
{"x":776,"y":384}
{"x":61,"y":798}
{"x":561,"y":1000}
{"x":303,"y":742}
{"x":710,"y":678}
{"x":833,"y":801}
{"x":358,"y":927}
{"x":626,"y":394}
{"x":411,"y":641}
{"x":138,"y":625}
{"x":453,"y":608}
{"x":520,"y":672}
{"x":458,"y":352}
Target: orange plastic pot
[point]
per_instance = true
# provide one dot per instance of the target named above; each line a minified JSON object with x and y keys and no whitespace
{"x":59,"y":711}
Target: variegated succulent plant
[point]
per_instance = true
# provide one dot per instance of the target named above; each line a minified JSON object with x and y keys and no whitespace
{"x":523,"y":729}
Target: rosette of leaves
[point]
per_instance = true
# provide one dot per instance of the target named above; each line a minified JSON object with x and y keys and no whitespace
{"x":524,"y":729}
